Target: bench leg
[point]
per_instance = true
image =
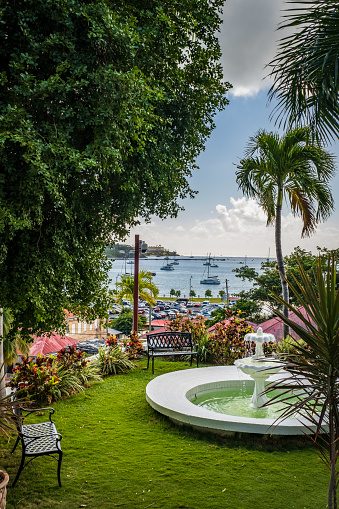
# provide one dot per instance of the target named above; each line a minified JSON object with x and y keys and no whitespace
{"x":20,"y":470}
{"x":16,"y":443}
{"x":153,"y":365}
{"x":147,"y":360}
{"x":59,"y":467}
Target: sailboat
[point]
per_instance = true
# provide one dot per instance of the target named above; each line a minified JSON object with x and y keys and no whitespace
{"x":210,"y":263}
{"x":167,"y":266}
{"x":210,"y":280}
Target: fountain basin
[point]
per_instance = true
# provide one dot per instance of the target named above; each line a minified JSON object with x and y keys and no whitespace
{"x":170,"y":394}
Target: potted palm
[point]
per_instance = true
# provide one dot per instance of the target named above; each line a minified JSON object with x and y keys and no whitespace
{"x":316,"y":362}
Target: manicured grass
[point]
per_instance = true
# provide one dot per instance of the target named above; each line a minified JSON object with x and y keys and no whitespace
{"x":118,"y":452}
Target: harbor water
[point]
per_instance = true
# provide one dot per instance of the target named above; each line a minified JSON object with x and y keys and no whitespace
{"x":188,"y":274}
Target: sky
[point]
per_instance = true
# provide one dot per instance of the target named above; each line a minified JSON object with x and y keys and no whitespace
{"x":220,"y":220}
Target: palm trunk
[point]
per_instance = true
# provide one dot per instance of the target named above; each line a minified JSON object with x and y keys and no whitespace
{"x":280,"y":259}
{"x":332,"y":490}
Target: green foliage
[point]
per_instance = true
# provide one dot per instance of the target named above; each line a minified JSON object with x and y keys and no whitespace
{"x":147,"y":288}
{"x":294,"y":167}
{"x":104,"y":108}
{"x":317,"y":361}
{"x":185,"y":323}
{"x":287,"y":349}
{"x":124,"y":322}
{"x":268,"y":281}
{"x":133,"y":346}
{"x":172,"y":292}
{"x":50,"y":378}
{"x":192,"y":293}
{"x":208,"y":293}
{"x":36,"y":381}
{"x":178,"y":293}
{"x":112,"y":361}
{"x":228,"y":340}
{"x":305,"y":69}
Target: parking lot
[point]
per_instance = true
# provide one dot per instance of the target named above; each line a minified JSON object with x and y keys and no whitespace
{"x":168,"y":310}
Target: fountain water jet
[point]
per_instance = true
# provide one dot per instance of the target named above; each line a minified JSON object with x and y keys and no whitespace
{"x":258,"y":367}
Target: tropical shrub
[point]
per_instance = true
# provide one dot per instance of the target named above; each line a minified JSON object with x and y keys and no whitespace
{"x":315,"y":367}
{"x":133,"y":346}
{"x":112,"y":361}
{"x":36,"y":380}
{"x":200,"y":337}
{"x":228,"y":340}
{"x":112,"y":340}
{"x":50,"y":378}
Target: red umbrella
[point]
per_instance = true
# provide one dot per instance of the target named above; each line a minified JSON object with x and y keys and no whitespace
{"x":49,"y":344}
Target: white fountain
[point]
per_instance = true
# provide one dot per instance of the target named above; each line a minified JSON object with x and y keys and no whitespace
{"x":259,"y":367}
{"x":174,"y":394}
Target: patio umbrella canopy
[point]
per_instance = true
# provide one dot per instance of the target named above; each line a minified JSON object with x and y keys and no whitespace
{"x":48,"y":344}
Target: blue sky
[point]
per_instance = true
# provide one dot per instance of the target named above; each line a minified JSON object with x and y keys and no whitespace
{"x":220,"y":220}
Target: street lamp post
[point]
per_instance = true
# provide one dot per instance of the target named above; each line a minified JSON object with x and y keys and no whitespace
{"x":136,"y":284}
{"x":189,"y":295}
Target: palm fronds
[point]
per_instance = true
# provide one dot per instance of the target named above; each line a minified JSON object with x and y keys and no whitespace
{"x":315,"y":367}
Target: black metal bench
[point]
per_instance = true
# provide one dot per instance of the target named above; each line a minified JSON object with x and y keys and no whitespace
{"x":170,"y":344}
{"x":41,"y":439}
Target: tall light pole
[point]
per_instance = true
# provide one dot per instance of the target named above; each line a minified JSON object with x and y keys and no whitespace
{"x":226,"y":281}
{"x":189,"y":295}
{"x":136,"y":284}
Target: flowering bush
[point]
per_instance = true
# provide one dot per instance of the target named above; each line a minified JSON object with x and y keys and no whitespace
{"x":36,"y":380}
{"x":228,"y":340}
{"x":50,"y":378}
{"x":112,"y":340}
{"x":133,"y":347}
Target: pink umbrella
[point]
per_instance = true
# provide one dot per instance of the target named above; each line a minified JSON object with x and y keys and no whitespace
{"x":49,"y":344}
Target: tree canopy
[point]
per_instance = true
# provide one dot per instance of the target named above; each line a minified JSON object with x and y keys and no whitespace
{"x":267,"y":282}
{"x":104,"y":107}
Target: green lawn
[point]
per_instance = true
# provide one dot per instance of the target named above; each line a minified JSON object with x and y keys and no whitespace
{"x":118,"y":452}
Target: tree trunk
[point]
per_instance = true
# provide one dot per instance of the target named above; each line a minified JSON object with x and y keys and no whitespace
{"x":332,"y":490}
{"x":280,"y":259}
{"x":2,"y":360}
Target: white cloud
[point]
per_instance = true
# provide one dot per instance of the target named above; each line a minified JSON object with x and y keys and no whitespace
{"x":248,"y":42}
{"x":238,"y":230}
{"x":244,"y":211}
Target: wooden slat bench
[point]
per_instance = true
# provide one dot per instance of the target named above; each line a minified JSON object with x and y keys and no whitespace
{"x":41,"y":439}
{"x":170,"y":344}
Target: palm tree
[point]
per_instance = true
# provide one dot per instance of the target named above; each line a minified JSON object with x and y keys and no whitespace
{"x":316,"y":362}
{"x":147,"y":288}
{"x":305,"y":69}
{"x":291,"y":167}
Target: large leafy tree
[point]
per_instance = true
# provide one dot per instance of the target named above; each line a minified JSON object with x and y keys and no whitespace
{"x":292,"y":167}
{"x":305,"y":69}
{"x":104,"y":107}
